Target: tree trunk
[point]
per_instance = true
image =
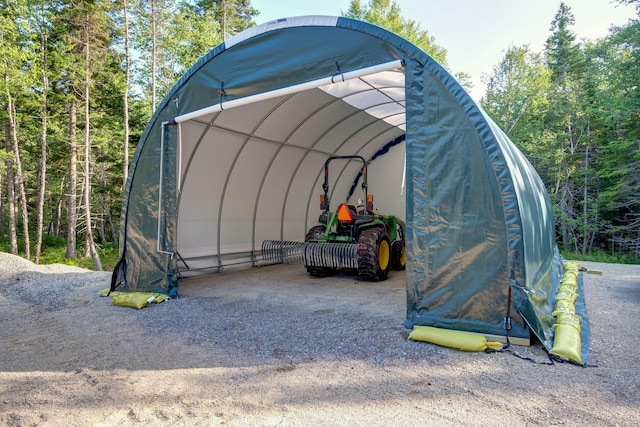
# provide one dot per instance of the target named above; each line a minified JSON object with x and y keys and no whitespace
{"x":87,"y":154}
{"x":72,"y":212}
{"x":585,"y":203}
{"x":224,"y":20}
{"x":1,"y":208}
{"x":566,"y":216}
{"x":57,"y":223}
{"x":42,"y":178}
{"x":153,"y":56}
{"x":127,"y":76}
{"x":11,"y":197}
{"x":19,"y":178}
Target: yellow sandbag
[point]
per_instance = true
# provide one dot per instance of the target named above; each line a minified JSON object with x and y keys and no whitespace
{"x":567,"y":289}
{"x":566,"y":343}
{"x":569,"y":296}
{"x":460,"y":340}
{"x":572,"y":274}
{"x":569,"y":281}
{"x":161,"y":298}
{"x":572,"y":266}
{"x":570,"y":319}
{"x":137,"y":299}
{"x":131,"y":299}
{"x":563,"y":306}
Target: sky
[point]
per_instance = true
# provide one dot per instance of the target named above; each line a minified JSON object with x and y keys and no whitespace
{"x":475,"y":33}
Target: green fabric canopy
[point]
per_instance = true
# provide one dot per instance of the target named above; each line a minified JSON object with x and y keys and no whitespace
{"x":233,"y":156}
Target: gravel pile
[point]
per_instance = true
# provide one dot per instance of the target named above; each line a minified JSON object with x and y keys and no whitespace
{"x":47,"y":286}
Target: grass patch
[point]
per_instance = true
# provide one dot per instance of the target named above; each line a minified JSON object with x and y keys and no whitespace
{"x":600,"y":256}
{"x":108,"y":254}
{"x":54,"y":249}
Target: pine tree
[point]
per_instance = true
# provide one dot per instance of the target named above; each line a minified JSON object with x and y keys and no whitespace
{"x":566,"y":62}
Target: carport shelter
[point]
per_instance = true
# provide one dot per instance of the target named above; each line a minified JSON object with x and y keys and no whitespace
{"x":234,"y":156}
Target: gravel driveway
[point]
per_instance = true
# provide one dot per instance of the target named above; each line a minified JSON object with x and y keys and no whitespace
{"x":274,"y":346}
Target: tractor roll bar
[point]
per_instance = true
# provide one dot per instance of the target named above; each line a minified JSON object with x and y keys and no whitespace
{"x":325,"y":185}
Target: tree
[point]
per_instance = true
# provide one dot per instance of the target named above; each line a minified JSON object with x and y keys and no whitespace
{"x":387,"y":14}
{"x":42,"y":22}
{"x":16,"y":74}
{"x":90,"y":39}
{"x":517,"y":90}
{"x":72,"y":164}
{"x":233,"y":16}
{"x":171,"y":36}
{"x":566,"y":62}
{"x":11,"y":200}
{"x":151,"y":27}
{"x":637,"y":3}
{"x":125,"y":94}
{"x":517,"y":98}
{"x":616,"y":123}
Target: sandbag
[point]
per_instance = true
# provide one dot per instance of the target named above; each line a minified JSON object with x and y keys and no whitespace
{"x":569,"y":296}
{"x":570,"y":284}
{"x":567,"y":343}
{"x":137,"y":299}
{"x":459,"y":340}
{"x":563,"y":306}
{"x":567,"y":289}
{"x":565,"y":318}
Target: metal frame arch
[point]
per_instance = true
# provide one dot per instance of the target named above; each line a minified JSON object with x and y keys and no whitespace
{"x":268,"y":169}
{"x":248,"y":137}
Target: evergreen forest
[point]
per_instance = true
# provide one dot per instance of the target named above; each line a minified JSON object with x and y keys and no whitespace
{"x":80,"y":79}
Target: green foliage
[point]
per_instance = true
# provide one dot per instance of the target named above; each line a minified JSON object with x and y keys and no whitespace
{"x":55,"y":255}
{"x":564,"y":55}
{"x":387,"y":14}
{"x":169,"y":37}
{"x":573,"y":113}
{"x":84,"y":44}
{"x":231,"y":16}
{"x":517,"y":93}
{"x":572,"y":109}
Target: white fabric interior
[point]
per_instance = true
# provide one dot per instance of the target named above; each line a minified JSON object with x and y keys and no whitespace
{"x":254,"y":172}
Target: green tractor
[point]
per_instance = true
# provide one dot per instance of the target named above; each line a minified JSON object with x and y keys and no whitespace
{"x":354,"y":236}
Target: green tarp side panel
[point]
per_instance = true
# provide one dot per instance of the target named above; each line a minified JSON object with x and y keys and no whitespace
{"x":151,"y":270}
{"x":459,"y":259}
{"x":585,"y":329}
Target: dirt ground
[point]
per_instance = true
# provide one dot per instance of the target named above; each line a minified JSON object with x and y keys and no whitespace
{"x":275,"y":347}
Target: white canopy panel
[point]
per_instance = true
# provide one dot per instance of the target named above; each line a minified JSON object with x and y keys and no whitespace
{"x":276,"y":146}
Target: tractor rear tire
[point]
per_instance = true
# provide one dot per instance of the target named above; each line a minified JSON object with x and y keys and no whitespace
{"x":398,"y":255}
{"x":374,"y":254}
{"x":312,"y":234}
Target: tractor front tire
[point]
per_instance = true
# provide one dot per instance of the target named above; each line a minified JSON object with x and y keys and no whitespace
{"x":315,"y":271}
{"x":374,"y":254}
{"x":398,"y":255}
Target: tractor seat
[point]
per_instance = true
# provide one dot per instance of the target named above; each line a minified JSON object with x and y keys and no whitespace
{"x":353,"y":209}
